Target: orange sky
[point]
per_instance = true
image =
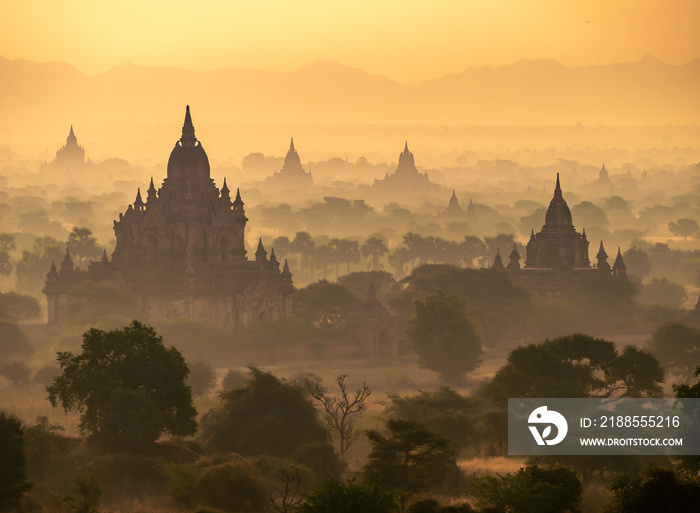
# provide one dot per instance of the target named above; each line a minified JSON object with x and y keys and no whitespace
{"x":407,"y":40}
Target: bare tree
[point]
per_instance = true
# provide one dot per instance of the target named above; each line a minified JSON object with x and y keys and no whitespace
{"x":341,"y":410}
{"x":289,"y":498}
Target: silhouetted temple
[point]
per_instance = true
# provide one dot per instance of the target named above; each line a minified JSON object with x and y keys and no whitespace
{"x":181,"y":252}
{"x":69,"y":156}
{"x":406,"y":176}
{"x":453,"y":211}
{"x":557,"y":252}
{"x":292,"y":174}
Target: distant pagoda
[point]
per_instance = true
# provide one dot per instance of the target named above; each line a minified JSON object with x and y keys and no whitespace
{"x":291,"y":176}
{"x":70,"y":156}
{"x":405,"y":178}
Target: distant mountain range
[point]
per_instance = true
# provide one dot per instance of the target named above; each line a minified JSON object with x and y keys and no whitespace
{"x":529,"y":92}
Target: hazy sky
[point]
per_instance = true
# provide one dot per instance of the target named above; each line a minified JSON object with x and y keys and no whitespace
{"x":407,"y":40}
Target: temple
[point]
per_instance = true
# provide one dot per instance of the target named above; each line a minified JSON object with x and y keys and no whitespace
{"x":556,"y":252}
{"x":181,"y":252}
{"x":454,"y":211}
{"x":405,"y":178}
{"x":292,"y":175}
{"x":70,"y":156}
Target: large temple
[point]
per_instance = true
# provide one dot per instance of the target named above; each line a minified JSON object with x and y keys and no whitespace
{"x":557,"y":252}
{"x":292,"y":175}
{"x":70,"y":156}
{"x":181,"y":252}
{"x":405,"y":178}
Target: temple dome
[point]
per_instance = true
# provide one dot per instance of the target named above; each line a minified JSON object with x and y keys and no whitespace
{"x":406,"y":159}
{"x":292,"y":160}
{"x":188,"y":160}
{"x":558,"y":214}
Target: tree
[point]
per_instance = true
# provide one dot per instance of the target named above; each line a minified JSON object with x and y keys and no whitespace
{"x":334,"y":496}
{"x":412,"y":459}
{"x":444,"y":336}
{"x":398,"y":260}
{"x":7,"y":242}
{"x":267,"y":416}
{"x":358,"y":282}
{"x":5,"y":263}
{"x":375,"y":246}
{"x":19,"y":306}
{"x":303,"y":245}
{"x":444,"y":411}
{"x":341,"y":410}
{"x":684,"y":227}
{"x":202,"y":377}
{"x":531,"y":490}
{"x":349,"y":251}
{"x":325,"y":304}
{"x":85,"y":497}
{"x":498,"y":306}
{"x":82,"y":244}
{"x":663,"y":292}
{"x":655,"y":490}
{"x":128,"y":387}
{"x":13,"y":465}
{"x":677,"y":347}
{"x":637,"y":262}
{"x":577,"y":366}
{"x":13,"y":341}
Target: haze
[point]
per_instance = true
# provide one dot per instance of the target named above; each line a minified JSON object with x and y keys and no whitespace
{"x":408,"y":41}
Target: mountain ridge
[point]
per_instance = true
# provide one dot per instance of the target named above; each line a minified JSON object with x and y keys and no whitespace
{"x":527,"y":92}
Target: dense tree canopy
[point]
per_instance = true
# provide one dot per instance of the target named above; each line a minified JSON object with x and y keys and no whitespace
{"x":325,"y":304}
{"x":655,"y":490}
{"x":443,"y":411}
{"x":18,"y":306}
{"x":127,"y":386}
{"x":444,"y":336}
{"x":267,"y":416}
{"x":531,"y":490}
{"x":412,"y":458}
{"x":13,"y":465}
{"x":577,"y":366}
{"x":13,"y":341}
{"x":334,"y":496}
{"x":677,"y":347}
{"x":499,"y":306}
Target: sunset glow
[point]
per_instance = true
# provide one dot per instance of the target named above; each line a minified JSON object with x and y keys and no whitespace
{"x":408,"y":41}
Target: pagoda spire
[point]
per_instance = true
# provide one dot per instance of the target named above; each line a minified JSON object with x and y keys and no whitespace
{"x":238,"y":203}
{"x":138,"y":204}
{"x":619,"y":268}
{"x":188,"y":137}
{"x":152,"y":193}
{"x":291,"y":145}
{"x":514,"y":257}
{"x":405,"y":150}
{"x":261,"y":254}
{"x":498,"y":261}
{"x":557,"y":188}
{"x":274,"y":262}
{"x":602,"y":257}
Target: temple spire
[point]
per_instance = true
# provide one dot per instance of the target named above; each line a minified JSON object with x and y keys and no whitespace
{"x":291,"y":145}
{"x":152,"y":193}
{"x":498,"y":262}
{"x":188,"y":137}
{"x":261,"y":254}
{"x":557,"y":188}
{"x":405,"y":150}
